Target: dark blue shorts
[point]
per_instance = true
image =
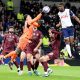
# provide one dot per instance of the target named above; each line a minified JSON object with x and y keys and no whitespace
{"x":68,"y":32}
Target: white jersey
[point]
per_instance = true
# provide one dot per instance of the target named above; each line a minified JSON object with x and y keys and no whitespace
{"x":65,"y":18}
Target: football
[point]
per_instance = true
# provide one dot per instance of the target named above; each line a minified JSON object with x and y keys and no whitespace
{"x":46,"y":9}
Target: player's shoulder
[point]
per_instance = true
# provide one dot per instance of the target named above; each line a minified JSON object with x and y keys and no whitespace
{"x":58,"y":12}
{"x":5,"y":35}
{"x":15,"y":35}
{"x":67,"y":9}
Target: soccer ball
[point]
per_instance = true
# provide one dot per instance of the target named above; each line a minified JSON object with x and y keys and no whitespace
{"x":46,"y":9}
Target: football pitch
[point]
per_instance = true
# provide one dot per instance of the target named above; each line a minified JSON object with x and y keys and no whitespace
{"x":59,"y":73}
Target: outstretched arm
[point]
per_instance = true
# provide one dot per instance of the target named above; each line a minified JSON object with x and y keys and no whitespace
{"x":74,"y":16}
{"x":36,"y":24}
{"x":25,"y":27}
{"x":36,"y":18}
{"x":77,"y":19}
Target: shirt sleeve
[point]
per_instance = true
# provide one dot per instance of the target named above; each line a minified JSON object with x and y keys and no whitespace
{"x":71,"y":13}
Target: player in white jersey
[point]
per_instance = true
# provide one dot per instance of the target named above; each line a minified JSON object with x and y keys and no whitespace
{"x":67,"y":26}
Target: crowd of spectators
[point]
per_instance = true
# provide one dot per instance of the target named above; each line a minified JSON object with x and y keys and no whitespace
{"x":10,"y":18}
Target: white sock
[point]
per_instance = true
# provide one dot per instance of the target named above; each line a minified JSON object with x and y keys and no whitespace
{"x":19,"y":68}
{"x":22,"y":71}
{"x":48,"y":69}
{"x":68,"y":49}
{"x":35,"y":70}
{"x":45,"y":72}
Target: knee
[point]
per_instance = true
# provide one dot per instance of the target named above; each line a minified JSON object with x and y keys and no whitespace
{"x":18,"y":51}
{"x":42,"y":59}
{"x":37,"y":57}
{"x":67,"y":41}
{"x":29,"y":57}
{"x":21,"y":58}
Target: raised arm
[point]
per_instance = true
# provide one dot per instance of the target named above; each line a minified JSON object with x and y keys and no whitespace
{"x":38,"y":17}
{"x":36,"y":24}
{"x":25,"y":27}
{"x":77,"y":19}
{"x":74,"y":16}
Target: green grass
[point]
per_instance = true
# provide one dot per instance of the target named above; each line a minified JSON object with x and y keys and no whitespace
{"x":59,"y":73}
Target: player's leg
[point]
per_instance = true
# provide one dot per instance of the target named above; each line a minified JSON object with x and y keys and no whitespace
{"x":44,"y":63}
{"x":1,"y":59}
{"x":37,"y":56}
{"x":11,"y":62}
{"x":71,"y":34}
{"x":29,"y":59}
{"x":21,"y":46}
{"x":18,"y":50}
{"x":36,"y":64}
{"x":22,"y":57}
{"x":67,"y":40}
{"x":57,"y":61}
{"x":3,"y":53}
{"x":16,"y":64}
{"x":13,"y":54}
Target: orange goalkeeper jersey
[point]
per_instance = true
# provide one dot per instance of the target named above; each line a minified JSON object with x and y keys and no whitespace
{"x":27,"y":33}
